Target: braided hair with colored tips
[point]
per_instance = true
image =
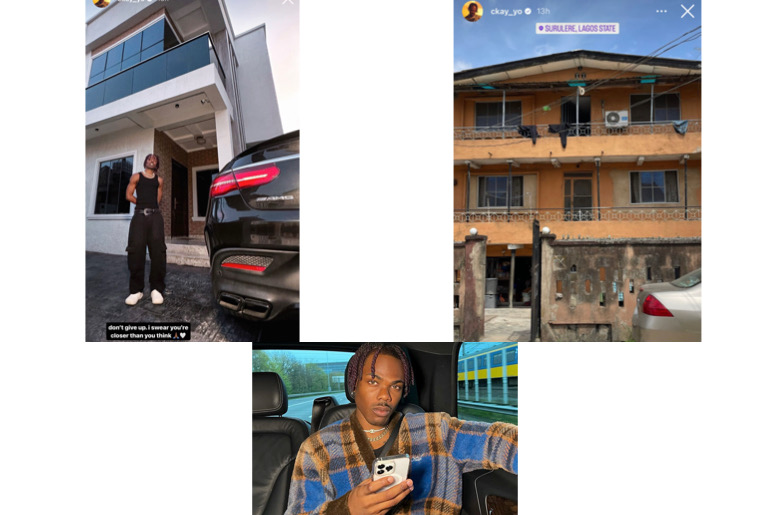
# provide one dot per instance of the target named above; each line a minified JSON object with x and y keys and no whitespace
{"x":356,"y":364}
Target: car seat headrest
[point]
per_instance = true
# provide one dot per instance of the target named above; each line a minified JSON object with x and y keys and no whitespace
{"x":268,"y":394}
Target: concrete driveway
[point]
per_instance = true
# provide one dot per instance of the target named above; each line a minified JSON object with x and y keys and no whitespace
{"x":188,"y":299}
{"x":507,"y":324}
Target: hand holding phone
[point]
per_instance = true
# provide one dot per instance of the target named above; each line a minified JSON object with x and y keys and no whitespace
{"x":396,"y":467}
{"x":370,"y":498}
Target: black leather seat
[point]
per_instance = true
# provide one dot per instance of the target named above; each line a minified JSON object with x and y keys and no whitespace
{"x":334,"y":413}
{"x":320,"y":405}
{"x":275,"y":442}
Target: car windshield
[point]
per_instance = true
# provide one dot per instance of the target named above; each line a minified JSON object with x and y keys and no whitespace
{"x":687,"y":280}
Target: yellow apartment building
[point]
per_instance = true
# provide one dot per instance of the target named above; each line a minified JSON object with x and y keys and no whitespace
{"x":593,"y":145}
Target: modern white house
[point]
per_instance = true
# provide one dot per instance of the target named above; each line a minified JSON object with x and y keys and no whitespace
{"x":169,"y":78}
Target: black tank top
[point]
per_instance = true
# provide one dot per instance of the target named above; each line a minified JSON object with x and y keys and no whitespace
{"x":147,"y":192}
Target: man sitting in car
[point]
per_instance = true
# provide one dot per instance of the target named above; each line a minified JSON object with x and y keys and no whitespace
{"x":332,"y":471}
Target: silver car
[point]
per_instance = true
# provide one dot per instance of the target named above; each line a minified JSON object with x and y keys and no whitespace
{"x":669,"y":312}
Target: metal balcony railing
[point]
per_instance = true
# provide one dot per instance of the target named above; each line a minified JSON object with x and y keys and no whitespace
{"x":583,"y":129}
{"x":603,"y":214}
{"x":172,"y":63}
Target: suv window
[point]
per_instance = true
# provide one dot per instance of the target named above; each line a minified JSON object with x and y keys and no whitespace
{"x":307,"y":374}
{"x":488,"y":382}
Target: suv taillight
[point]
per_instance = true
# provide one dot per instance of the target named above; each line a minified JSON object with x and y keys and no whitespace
{"x":250,"y":177}
{"x":222,"y":185}
{"x":653,"y":307}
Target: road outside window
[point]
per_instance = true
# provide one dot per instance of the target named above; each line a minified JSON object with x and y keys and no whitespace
{"x":307,"y":376}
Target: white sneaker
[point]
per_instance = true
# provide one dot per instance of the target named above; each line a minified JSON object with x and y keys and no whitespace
{"x":134,"y":298}
{"x":156,"y":296}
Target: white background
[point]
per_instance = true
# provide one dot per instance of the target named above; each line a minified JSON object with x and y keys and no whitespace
{"x":163,"y":428}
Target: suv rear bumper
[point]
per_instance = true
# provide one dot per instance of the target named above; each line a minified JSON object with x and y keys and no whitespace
{"x":257,"y":294}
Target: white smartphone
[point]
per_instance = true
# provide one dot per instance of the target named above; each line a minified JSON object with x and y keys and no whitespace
{"x":396,"y":467}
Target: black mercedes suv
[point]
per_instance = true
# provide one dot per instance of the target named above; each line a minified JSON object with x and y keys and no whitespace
{"x":252,"y":231}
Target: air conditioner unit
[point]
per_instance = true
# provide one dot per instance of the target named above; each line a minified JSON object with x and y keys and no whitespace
{"x":616,"y":119}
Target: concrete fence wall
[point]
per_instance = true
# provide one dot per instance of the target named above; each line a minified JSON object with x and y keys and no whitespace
{"x":470,"y":265}
{"x":589,"y":287}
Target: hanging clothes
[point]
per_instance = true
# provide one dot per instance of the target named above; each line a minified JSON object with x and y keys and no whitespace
{"x":528,"y":131}
{"x":562,"y":129}
{"x":680,"y":126}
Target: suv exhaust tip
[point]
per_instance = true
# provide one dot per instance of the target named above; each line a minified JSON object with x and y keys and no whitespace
{"x":249,"y":308}
{"x":230,"y":301}
{"x":254,"y":308}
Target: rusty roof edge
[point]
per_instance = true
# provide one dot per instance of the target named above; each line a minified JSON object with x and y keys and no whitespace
{"x":576,"y":54}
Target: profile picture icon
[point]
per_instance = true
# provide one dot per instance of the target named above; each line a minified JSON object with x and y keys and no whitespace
{"x":472,"y":11}
{"x":101,"y":3}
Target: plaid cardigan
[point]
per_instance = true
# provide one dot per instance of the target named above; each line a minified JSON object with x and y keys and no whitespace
{"x":334,"y":460}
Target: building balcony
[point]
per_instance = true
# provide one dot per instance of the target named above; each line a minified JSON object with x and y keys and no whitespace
{"x":583,"y":214}
{"x":583,"y":129}
{"x":586,"y":140}
{"x":175,"y":62}
{"x":515,"y":226}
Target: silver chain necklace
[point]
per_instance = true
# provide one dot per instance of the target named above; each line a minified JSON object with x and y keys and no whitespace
{"x":383,"y":435}
{"x":375,"y":430}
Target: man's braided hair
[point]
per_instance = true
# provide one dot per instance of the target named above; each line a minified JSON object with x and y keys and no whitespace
{"x":356,"y":364}
{"x":152,"y":162}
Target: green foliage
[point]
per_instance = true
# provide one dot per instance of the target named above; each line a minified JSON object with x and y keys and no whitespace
{"x":260,"y":362}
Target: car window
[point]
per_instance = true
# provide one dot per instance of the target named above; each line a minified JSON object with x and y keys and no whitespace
{"x":688,"y":280}
{"x":307,"y":375}
{"x":488,"y":382}
{"x":285,"y":148}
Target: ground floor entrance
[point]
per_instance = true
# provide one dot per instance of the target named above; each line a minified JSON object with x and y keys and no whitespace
{"x":187,"y":171}
{"x":508,"y":286}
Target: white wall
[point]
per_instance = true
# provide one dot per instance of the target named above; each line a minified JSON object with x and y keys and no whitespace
{"x":109,"y":233}
{"x":259,"y":102}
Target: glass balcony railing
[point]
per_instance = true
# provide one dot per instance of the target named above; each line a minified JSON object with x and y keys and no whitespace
{"x":181,"y":59}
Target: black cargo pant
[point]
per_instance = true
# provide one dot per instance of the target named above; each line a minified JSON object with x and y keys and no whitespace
{"x":146,"y":232}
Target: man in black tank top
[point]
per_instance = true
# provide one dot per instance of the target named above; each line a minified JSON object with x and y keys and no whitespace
{"x":146,"y":232}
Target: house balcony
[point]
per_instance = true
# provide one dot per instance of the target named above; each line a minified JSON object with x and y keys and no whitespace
{"x":515,"y":226}
{"x":588,"y":140}
{"x":180,"y":92}
{"x":182,"y":89}
{"x":175,"y":62}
